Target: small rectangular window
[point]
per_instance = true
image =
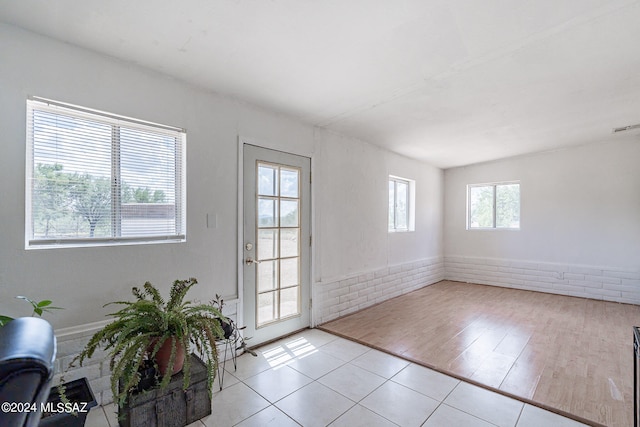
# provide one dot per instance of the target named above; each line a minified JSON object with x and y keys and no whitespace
{"x":95,"y":178}
{"x":401,"y":206}
{"x":493,"y":206}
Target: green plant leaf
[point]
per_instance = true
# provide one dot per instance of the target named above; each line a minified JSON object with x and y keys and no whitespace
{"x":29,"y":300}
{"x":5,"y":319}
{"x":39,"y":307}
{"x":139,"y":327}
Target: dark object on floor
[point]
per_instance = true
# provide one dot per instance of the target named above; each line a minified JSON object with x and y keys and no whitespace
{"x":73,"y":412}
{"x":27,"y":354}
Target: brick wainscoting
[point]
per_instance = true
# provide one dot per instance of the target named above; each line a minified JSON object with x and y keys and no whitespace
{"x":595,"y":282}
{"x":336,"y":298}
{"x":339,"y":297}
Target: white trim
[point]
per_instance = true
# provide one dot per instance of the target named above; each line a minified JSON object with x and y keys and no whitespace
{"x":78,"y":331}
{"x":240,"y":241}
{"x":61,"y":109}
{"x":494,"y":185}
{"x":99,"y":242}
{"x":242,"y":140}
{"x":264,"y":143}
{"x":84,"y":330}
{"x":312,"y":229}
{"x":411,"y":203}
{"x":52,"y":106}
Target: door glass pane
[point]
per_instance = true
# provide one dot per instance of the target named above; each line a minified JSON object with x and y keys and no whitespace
{"x":267,"y":243}
{"x":267,"y":276}
{"x":267,"y":180}
{"x":267,"y":308}
{"x":289,"y":242}
{"x":289,"y":272}
{"x":289,"y":301}
{"x":267,"y":212}
{"x":289,"y":183}
{"x":288,"y":213}
{"x":278,"y":243}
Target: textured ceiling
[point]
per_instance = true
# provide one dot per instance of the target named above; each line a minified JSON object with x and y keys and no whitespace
{"x":450,"y":82}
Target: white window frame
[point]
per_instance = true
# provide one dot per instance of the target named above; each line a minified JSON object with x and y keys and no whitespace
{"x":410,"y":211}
{"x":116,"y":121}
{"x":494,"y":185}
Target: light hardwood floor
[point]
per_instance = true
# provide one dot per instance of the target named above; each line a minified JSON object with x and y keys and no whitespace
{"x":567,"y":354}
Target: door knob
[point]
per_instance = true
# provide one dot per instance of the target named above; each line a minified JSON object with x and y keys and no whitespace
{"x":250,"y":261}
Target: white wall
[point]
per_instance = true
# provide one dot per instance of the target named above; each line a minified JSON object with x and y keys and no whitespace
{"x":579,"y":207}
{"x":82,"y":280}
{"x":350,"y":191}
{"x":354,"y":196}
{"x":359,"y":262}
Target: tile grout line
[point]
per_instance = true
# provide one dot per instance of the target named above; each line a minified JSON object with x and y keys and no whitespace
{"x":345,"y":363}
{"x":519,"y":415}
{"x":442,"y":401}
{"x":273,"y":404}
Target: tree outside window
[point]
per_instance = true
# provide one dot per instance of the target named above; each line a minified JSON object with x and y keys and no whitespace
{"x":98,"y":179}
{"x":494,"y":206}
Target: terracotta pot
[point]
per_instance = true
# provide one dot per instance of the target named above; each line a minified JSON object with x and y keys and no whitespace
{"x":163,"y":356}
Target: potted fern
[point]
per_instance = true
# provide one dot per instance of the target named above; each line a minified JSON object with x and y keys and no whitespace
{"x":148,"y":329}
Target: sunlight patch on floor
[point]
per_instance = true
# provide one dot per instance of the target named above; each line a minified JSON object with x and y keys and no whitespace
{"x":288,"y":352}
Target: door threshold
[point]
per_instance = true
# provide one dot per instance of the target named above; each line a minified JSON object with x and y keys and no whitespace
{"x":271,"y":341}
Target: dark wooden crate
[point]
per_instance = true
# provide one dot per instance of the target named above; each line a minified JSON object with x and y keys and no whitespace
{"x":172,"y":406}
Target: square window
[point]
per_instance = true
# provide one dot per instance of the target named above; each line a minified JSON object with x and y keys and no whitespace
{"x":493,"y":206}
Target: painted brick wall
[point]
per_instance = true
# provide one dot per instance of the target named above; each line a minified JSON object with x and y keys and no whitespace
{"x":96,"y":369}
{"x":346,"y":295}
{"x":595,"y":282}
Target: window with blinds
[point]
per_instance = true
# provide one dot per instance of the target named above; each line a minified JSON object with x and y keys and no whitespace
{"x":95,"y":178}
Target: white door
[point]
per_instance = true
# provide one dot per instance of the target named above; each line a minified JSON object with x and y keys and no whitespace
{"x":276,"y":244}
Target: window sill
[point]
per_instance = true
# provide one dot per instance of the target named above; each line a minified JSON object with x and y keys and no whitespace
{"x":493,"y":229}
{"x":88,"y":243}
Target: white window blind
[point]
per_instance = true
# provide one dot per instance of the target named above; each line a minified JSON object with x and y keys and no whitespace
{"x":95,"y":178}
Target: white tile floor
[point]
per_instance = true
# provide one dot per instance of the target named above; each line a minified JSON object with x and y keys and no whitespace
{"x":317,"y":379}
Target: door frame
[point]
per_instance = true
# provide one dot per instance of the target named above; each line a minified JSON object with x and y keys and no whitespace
{"x":242,"y":141}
